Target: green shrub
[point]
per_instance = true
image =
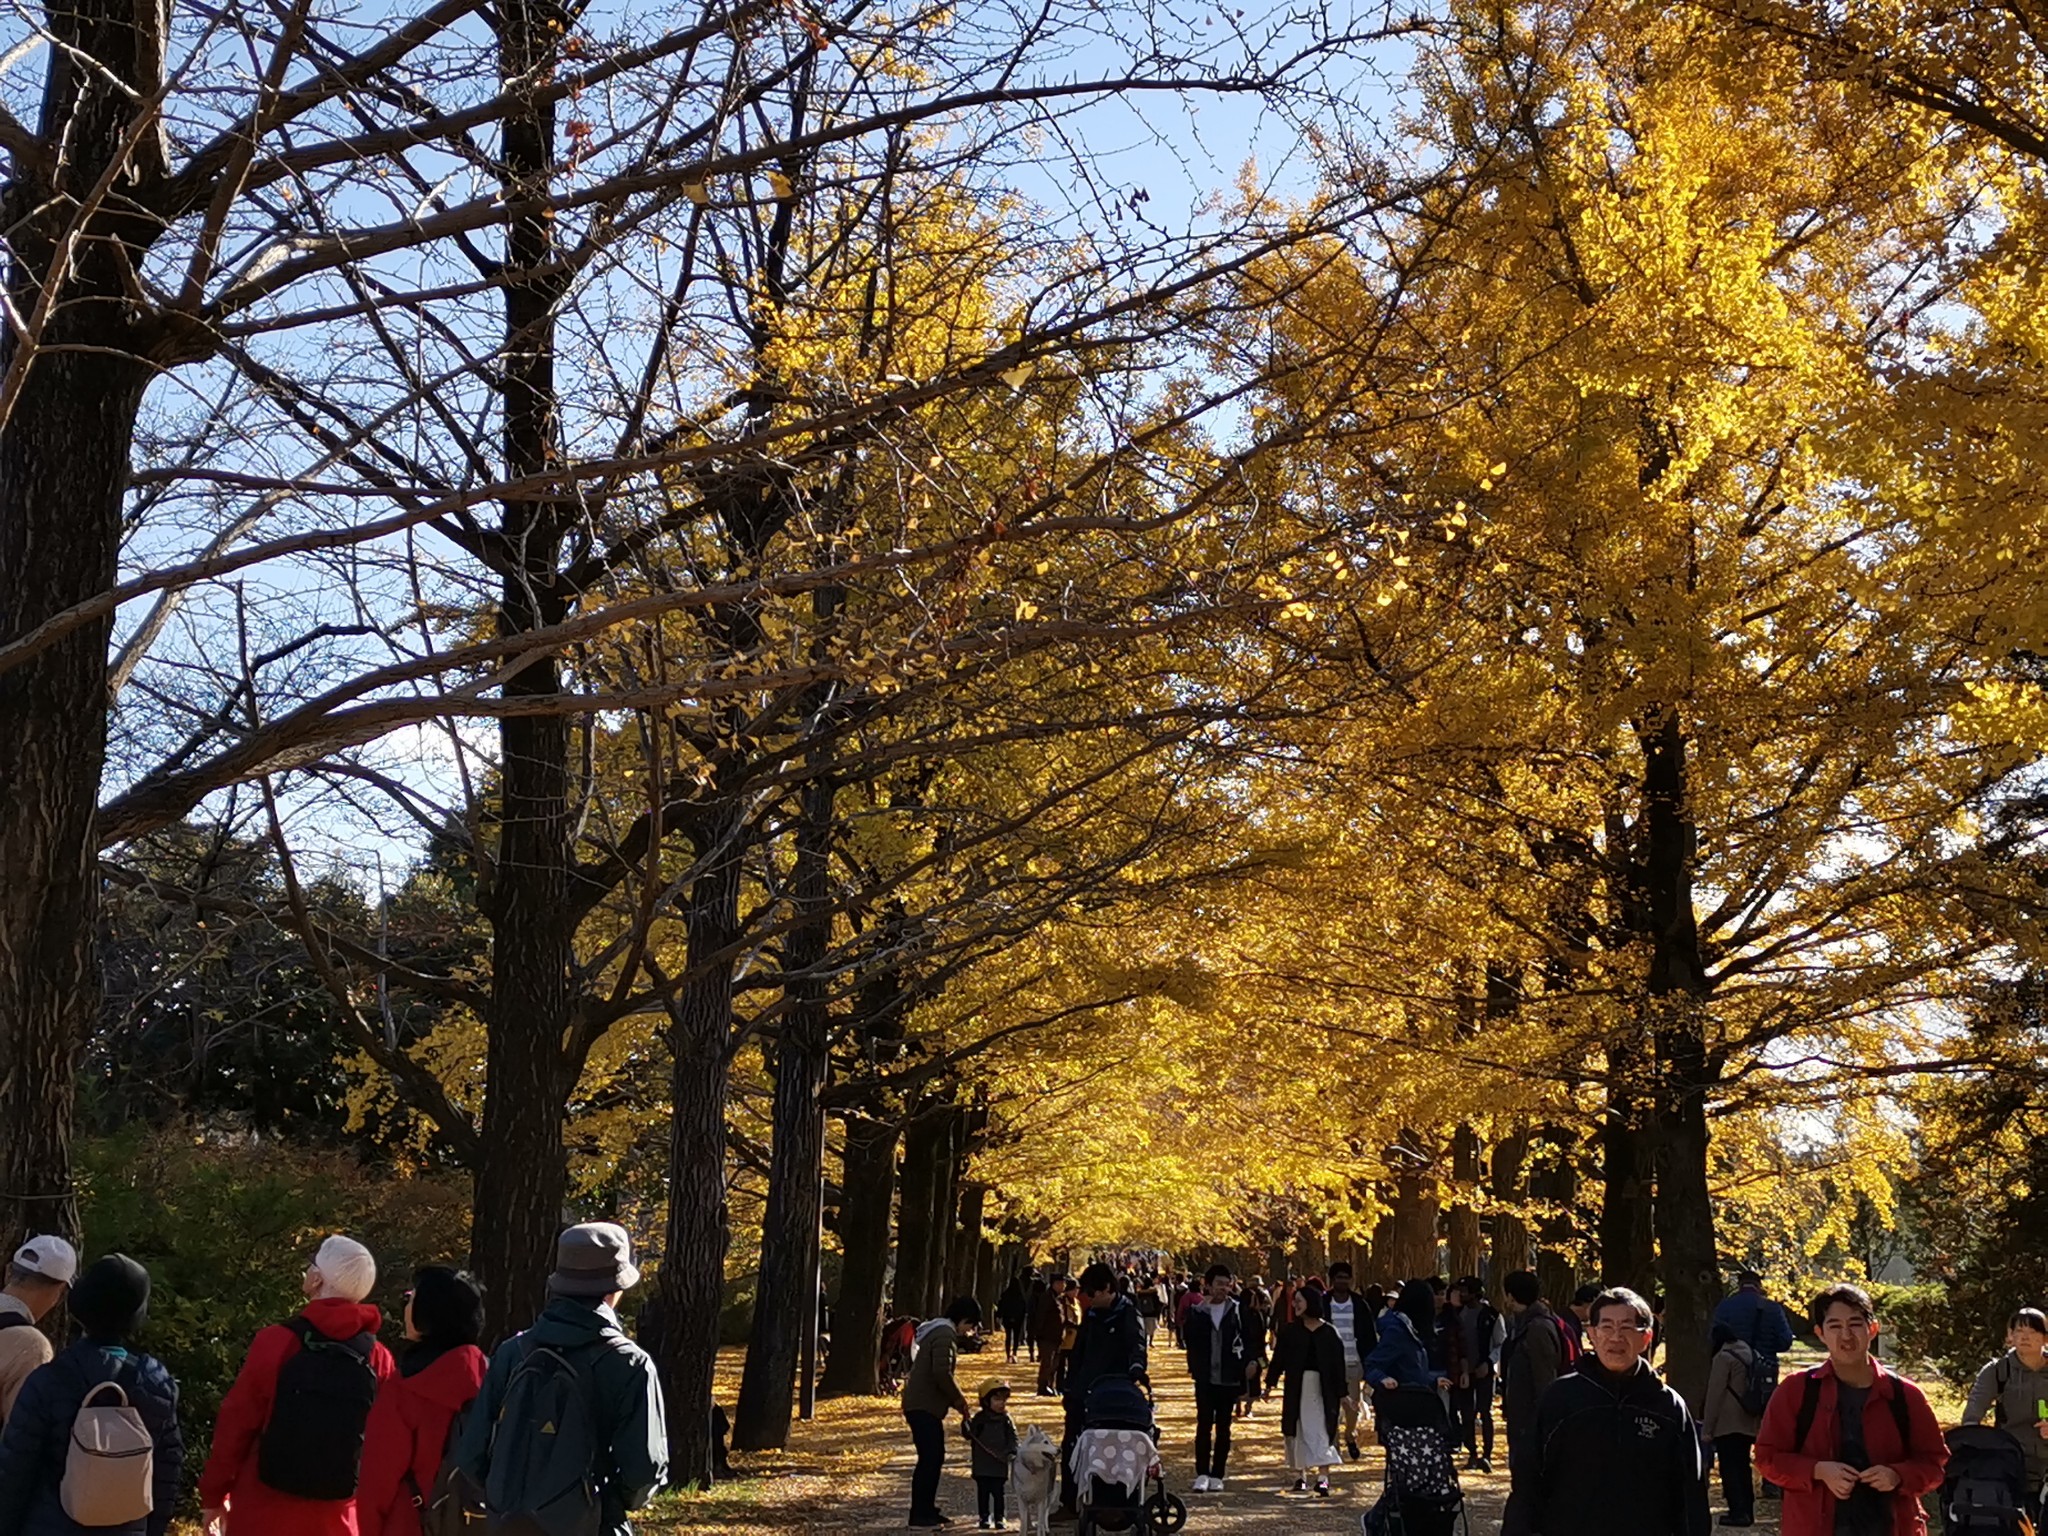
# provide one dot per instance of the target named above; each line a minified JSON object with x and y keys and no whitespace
{"x":226,"y":1228}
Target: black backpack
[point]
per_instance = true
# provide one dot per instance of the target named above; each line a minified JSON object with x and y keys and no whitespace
{"x":312,"y":1448}
{"x":1761,"y":1382}
{"x":454,"y":1506}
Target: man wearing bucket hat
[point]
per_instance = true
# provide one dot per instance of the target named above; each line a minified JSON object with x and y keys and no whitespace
{"x":38,"y":1275}
{"x":570,"y":1415}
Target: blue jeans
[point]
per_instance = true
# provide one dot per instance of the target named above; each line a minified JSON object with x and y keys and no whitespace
{"x":928,"y":1434}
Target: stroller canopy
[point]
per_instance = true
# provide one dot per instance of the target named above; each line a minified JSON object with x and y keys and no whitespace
{"x":1117,"y":1402}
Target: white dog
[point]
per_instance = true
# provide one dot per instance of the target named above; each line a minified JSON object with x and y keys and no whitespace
{"x":1037,"y":1476}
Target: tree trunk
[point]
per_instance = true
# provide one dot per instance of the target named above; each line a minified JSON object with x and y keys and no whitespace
{"x":869,"y":1178}
{"x":699,"y":1230}
{"x":1462,"y":1228}
{"x":1555,"y":1181}
{"x":522,"y":1178}
{"x":1512,"y":1248}
{"x":64,"y":462}
{"x":1678,"y":988}
{"x":964,"y":1270}
{"x":788,"y":1289}
{"x":923,"y":1138}
{"x":1627,"y":1233}
{"x":943,"y":1214}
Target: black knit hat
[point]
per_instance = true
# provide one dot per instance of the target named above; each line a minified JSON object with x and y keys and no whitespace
{"x":111,"y":1299}
{"x":447,"y":1306}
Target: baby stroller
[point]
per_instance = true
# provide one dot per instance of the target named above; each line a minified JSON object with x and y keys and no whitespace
{"x":1421,"y":1496}
{"x":1116,"y":1462}
{"x":1985,"y":1490}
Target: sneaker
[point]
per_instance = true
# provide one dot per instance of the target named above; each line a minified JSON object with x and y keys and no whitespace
{"x":983,"y":1524}
{"x":1351,"y":1446}
{"x":925,"y":1520}
{"x":1301,"y":1485}
{"x":1323,"y":1487}
{"x":1200,"y":1484}
{"x":1215,"y":1485}
{"x":1486,"y":1465}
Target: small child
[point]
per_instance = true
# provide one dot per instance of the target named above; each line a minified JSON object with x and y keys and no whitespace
{"x":994,"y":1439}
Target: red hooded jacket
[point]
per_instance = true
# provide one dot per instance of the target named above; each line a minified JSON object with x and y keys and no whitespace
{"x":230,"y":1479}
{"x":1809,"y":1507}
{"x":409,"y":1434}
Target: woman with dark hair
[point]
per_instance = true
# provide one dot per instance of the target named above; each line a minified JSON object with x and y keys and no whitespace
{"x":1401,"y":1358}
{"x":1309,"y":1357}
{"x":439,"y":1374}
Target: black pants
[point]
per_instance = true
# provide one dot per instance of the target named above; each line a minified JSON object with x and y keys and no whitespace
{"x":988,"y":1498}
{"x":928,"y":1434}
{"x":1070,"y":1495}
{"x":1472,"y":1417}
{"x":1013,"y":1335}
{"x":1214,"y":1406}
{"x":1737,"y":1487}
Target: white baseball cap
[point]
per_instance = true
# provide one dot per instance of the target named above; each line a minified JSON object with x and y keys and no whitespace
{"x":50,"y":1257}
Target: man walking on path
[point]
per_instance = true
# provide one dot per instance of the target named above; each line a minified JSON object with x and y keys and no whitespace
{"x":1532,"y":1356}
{"x":1853,"y":1445}
{"x":568,"y":1432}
{"x":1344,"y":1309}
{"x":1224,"y":1366}
{"x":1110,"y":1343}
{"x":37,"y":1278}
{"x":1471,"y":1334}
{"x":1048,"y":1323}
{"x":1615,"y":1451}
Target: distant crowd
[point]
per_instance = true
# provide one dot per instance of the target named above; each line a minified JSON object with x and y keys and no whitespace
{"x":1597,"y":1443}
{"x":325,"y":1432}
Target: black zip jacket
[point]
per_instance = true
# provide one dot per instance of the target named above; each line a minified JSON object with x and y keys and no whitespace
{"x":1203,"y":1340}
{"x":1611,"y":1456}
{"x":1111,"y":1343}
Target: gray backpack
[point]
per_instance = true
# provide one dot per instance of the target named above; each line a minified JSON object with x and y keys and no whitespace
{"x":545,"y":1447}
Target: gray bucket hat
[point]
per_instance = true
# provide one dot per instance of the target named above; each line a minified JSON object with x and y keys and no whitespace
{"x":593,"y":1258}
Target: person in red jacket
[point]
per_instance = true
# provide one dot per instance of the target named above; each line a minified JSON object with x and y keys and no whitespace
{"x":1853,"y":1445}
{"x":439,"y":1375}
{"x":234,"y":1499}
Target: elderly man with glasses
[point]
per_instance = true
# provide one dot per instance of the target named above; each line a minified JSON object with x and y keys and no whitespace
{"x":1614,"y":1451}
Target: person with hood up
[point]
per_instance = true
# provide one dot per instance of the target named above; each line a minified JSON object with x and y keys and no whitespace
{"x":511,"y":1449}
{"x":109,"y":1304}
{"x":1726,"y":1421}
{"x":439,"y":1374}
{"x":256,"y":1446}
{"x":1615,"y":1451}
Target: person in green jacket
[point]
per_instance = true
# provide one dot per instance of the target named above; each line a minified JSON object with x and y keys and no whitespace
{"x":524,"y":1422}
{"x":929,"y":1394}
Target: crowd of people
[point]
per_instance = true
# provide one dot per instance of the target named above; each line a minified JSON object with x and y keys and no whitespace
{"x":1597,"y":1443}
{"x":326,"y":1432}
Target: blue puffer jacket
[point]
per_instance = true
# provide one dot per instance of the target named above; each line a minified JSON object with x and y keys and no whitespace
{"x":38,"y":1437}
{"x":1400,"y":1354}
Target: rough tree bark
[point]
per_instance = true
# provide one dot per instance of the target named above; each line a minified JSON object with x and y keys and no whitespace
{"x":1628,"y":1254}
{"x":924,"y":1137}
{"x":699,"y":1229}
{"x":521,"y":1176}
{"x":789,"y":1225}
{"x":1678,"y":987}
{"x":869,"y":1181}
{"x":1461,"y":1228}
{"x":1555,"y":1181}
{"x":1512,"y":1246}
{"x":64,"y":460}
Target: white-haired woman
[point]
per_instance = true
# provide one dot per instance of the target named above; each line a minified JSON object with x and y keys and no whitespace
{"x":288,"y":1443}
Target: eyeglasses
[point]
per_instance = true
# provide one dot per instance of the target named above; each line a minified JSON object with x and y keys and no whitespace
{"x":1613,"y":1330}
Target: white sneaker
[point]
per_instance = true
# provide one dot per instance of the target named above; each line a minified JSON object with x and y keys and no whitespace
{"x":1201,"y":1484}
{"x":1215,"y":1485}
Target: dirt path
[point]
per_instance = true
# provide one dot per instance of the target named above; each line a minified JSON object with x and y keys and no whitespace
{"x":848,"y":1474}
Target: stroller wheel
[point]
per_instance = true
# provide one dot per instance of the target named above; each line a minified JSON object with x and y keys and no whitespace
{"x":1168,"y":1514}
